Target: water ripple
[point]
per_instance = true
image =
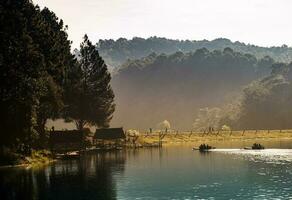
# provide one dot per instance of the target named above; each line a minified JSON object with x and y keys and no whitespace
{"x":270,"y":156}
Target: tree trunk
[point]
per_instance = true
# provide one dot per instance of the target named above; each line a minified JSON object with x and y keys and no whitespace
{"x":41,"y":123}
{"x":80,"y":124}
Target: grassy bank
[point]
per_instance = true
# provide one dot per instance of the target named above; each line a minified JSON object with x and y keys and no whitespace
{"x":201,"y":137}
{"x":36,"y":158}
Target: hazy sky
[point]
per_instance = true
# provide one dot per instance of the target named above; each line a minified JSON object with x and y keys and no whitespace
{"x":260,"y":22}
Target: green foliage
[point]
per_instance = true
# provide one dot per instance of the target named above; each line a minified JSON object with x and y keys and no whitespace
{"x":39,"y":157}
{"x":176,"y":86}
{"x":117,"y":52}
{"x":21,"y":66}
{"x":34,"y":158}
{"x":89,"y":96}
{"x":9,"y":157}
{"x":55,"y":47}
{"x":34,"y":56}
{"x":266,"y":103}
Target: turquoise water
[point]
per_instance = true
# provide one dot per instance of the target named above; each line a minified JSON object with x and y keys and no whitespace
{"x":169,"y":173}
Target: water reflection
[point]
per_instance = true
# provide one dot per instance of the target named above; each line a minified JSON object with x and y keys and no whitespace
{"x":174,"y":172}
{"x":91,"y":177}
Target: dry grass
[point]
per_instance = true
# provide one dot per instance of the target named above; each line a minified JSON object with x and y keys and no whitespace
{"x":200,"y":137}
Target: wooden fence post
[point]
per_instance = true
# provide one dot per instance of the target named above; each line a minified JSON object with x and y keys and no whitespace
{"x":191,"y":134}
{"x":176,"y":134}
{"x":159,"y":138}
{"x":243,"y":132}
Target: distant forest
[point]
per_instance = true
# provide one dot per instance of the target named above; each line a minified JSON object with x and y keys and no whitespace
{"x":175,"y":87}
{"x":194,"y":84}
{"x":263,"y":104}
{"x":116,"y":52}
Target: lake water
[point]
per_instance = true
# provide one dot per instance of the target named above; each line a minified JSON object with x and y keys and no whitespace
{"x":174,"y":172}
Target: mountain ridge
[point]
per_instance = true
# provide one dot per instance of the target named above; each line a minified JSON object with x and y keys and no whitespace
{"x":116,"y":52}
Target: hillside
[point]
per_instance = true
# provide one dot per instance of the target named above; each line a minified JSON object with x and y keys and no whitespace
{"x":116,"y":52}
{"x":265,"y":103}
{"x":176,"y":86}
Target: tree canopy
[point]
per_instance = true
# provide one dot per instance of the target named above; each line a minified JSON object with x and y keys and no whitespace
{"x":265,"y":103}
{"x":116,"y":52}
{"x":89,"y":97}
{"x":176,"y":86}
{"x":34,"y":57}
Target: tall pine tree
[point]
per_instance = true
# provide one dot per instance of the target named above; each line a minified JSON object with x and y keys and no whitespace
{"x":21,"y":66}
{"x":89,"y":96}
{"x":34,"y":56}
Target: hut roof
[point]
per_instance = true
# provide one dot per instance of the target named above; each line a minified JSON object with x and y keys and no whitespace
{"x":69,"y":136}
{"x":109,"y":134}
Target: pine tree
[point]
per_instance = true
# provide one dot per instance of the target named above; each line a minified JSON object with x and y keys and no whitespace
{"x":89,"y":97}
{"x":34,"y":55}
{"x":21,"y":66}
{"x":55,"y":46}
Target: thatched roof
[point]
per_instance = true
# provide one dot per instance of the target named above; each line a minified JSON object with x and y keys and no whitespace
{"x":70,"y":136}
{"x":109,"y":134}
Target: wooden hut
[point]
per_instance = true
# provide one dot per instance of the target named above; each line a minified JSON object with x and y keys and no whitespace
{"x":66,"y":141}
{"x":109,"y":137}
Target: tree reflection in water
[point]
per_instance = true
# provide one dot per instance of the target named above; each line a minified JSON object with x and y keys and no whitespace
{"x":91,"y":177}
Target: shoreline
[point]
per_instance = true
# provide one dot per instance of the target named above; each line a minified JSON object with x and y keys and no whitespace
{"x":36,"y":159}
{"x":221,"y":140}
{"x":187,"y":138}
{"x":28,"y":165}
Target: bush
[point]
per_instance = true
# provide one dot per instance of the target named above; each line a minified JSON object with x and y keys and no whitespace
{"x":8,"y":157}
{"x":226,"y":128}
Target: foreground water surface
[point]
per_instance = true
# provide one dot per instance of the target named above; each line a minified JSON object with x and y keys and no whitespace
{"x":174,"y":172}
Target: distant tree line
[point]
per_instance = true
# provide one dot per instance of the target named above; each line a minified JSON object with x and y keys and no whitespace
{"x":41,"y":79}
{"x":176,"y":86}
{"x":265,"y":103}
{"x":116,"y":52}
{"x":261,"y":105}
